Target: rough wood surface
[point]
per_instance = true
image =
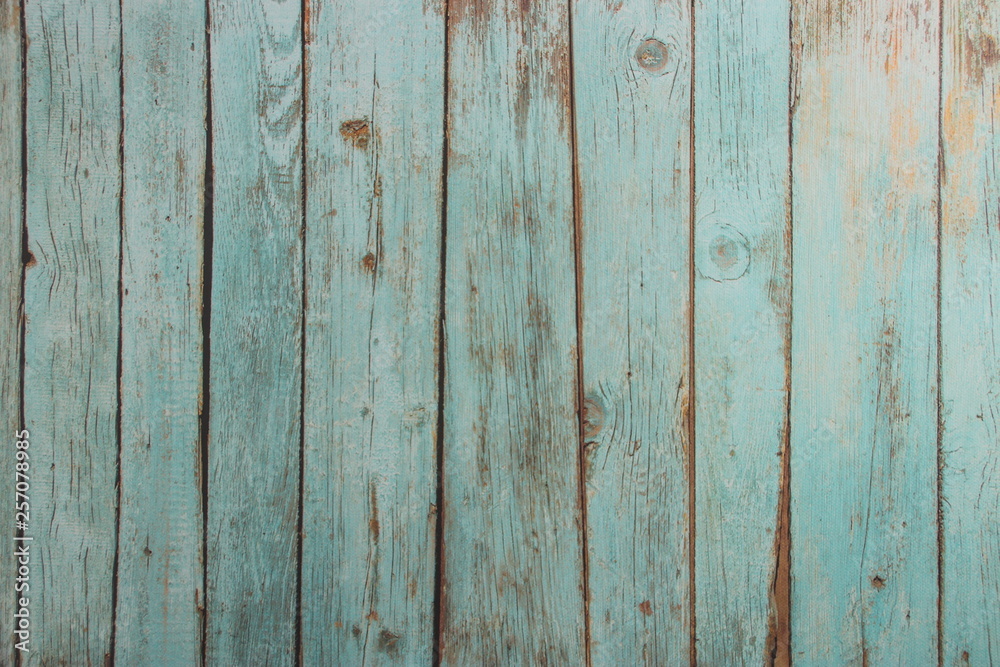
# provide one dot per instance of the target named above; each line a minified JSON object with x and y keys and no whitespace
{"x":10,"y":289}
{"x":256,"y":332}
{"x":71,"y":323}
{"x":375,"y":128}
{"x":742,"y":291}
{"x":970,"y":382}
{"x":160,"y":571}
{"x":632,"y":65}
{"x":512,"y":570}
{"x":864,"y":335}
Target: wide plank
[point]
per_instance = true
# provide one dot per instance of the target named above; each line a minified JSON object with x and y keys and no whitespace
{"x":71,"y":304}
{"x":375,"y":129}
{"x":11,"y":268}
{"x":512,"y":570}
{"x":864,"y":336}
{"x":742,"y":317}
{"x":632,"y":72}
{"x":970,"y":338}
{"x":255,"y":342}
{"x":160,"y":569}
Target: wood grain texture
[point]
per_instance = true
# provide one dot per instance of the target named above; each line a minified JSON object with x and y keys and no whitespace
{"x":742,"y":316}
{"x":256,"y":332}
{"x":864,"y":347}
{"x":633,"y":100}
{"x":160,"y":571}
{"x":970,"y":287}
{"x":10,"y":288}
{"x":512,"y":566}
{"x":71,"y":322}
{"x":375,"y":128}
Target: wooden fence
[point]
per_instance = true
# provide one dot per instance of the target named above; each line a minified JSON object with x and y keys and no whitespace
{"x":550,"y":332}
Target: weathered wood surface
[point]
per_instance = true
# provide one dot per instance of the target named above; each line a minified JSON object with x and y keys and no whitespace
{"x":512,"y":589}
{"x":632,"y":67}
{"x":742,"y":314}
{"x":164,"y":143}
{"x":375,"y":130}
{"x":255,"y":353}
{"x":11,"y":268}
{"x":864,"y":335}
{"x":970,"y":362}
{"x":71,"y":308}
{"x":612,"y":333}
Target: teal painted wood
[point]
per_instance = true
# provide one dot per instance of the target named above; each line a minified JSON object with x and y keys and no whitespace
{"x":71,"y":323}
{"x":512,"y":570}
{"x":375,"y":129}
{"x":256,"y":332}
{"x":970,"y":371}
{"x":633,"y":102}
{"x":864,"y":348}
{"x":160,"y":570}
{"x":10,"y":288}
{"x":742,"y":309}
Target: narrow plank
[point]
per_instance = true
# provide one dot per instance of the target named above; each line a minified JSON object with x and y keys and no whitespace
{"x":511,"y":590}
{"x":970,"y":363}
{"x":10,"y":287}
{"x":742,"y":309}
{"x":632,"y":69}
{"x":375,"y":128}
{"x":864,"y":346}
{"x":256,"y":332}
{"x":160,"y":574}
{"x":71,"y":303}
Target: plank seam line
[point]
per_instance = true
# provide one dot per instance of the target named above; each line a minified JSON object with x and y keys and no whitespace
{"x":584,"y":522}
{"x":208,"y":240}
{"x":939,"y":175}
{"x":110,"y":657}
{"x":304,"y":37}
{"x":691,"y":404}
{"x":439,"y":602}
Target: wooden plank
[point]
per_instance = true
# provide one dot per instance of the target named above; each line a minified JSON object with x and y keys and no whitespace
{"x":256,"y":332}
{"x":511,"y":589}
{"x":11,"y":119}
{"x":970,"y":363}
{"x":632,"y":69}
{"x":375,"y":124}
{"x":160,"y":575}
{"x":71,"y":302}
{"x":742,"y":310}
{"x":864,"y":347}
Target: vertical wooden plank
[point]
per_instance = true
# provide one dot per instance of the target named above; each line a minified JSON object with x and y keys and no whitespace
{"x":864,"y":346}
{"x":970,"y":384}
{"x":512,"y":543}
{"x":11,"y":119}
{"x":742,"y":304}
{"x":72,"y":322}
{"x":375,"y":126}
{"x":632,"y":69}
{"x":256,"y":332}
{"x":160,"y":573}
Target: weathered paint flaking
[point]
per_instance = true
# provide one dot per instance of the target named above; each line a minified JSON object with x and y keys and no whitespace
{"x":160,"y":564}
{"x":71,"y":323}
{"x":633,"y":132}
{"x":375,"y":131}
{"x":864,"y":334}
{"x":742,"y":291}
{"x":970,"y":363}
{"x":256,"y":332}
